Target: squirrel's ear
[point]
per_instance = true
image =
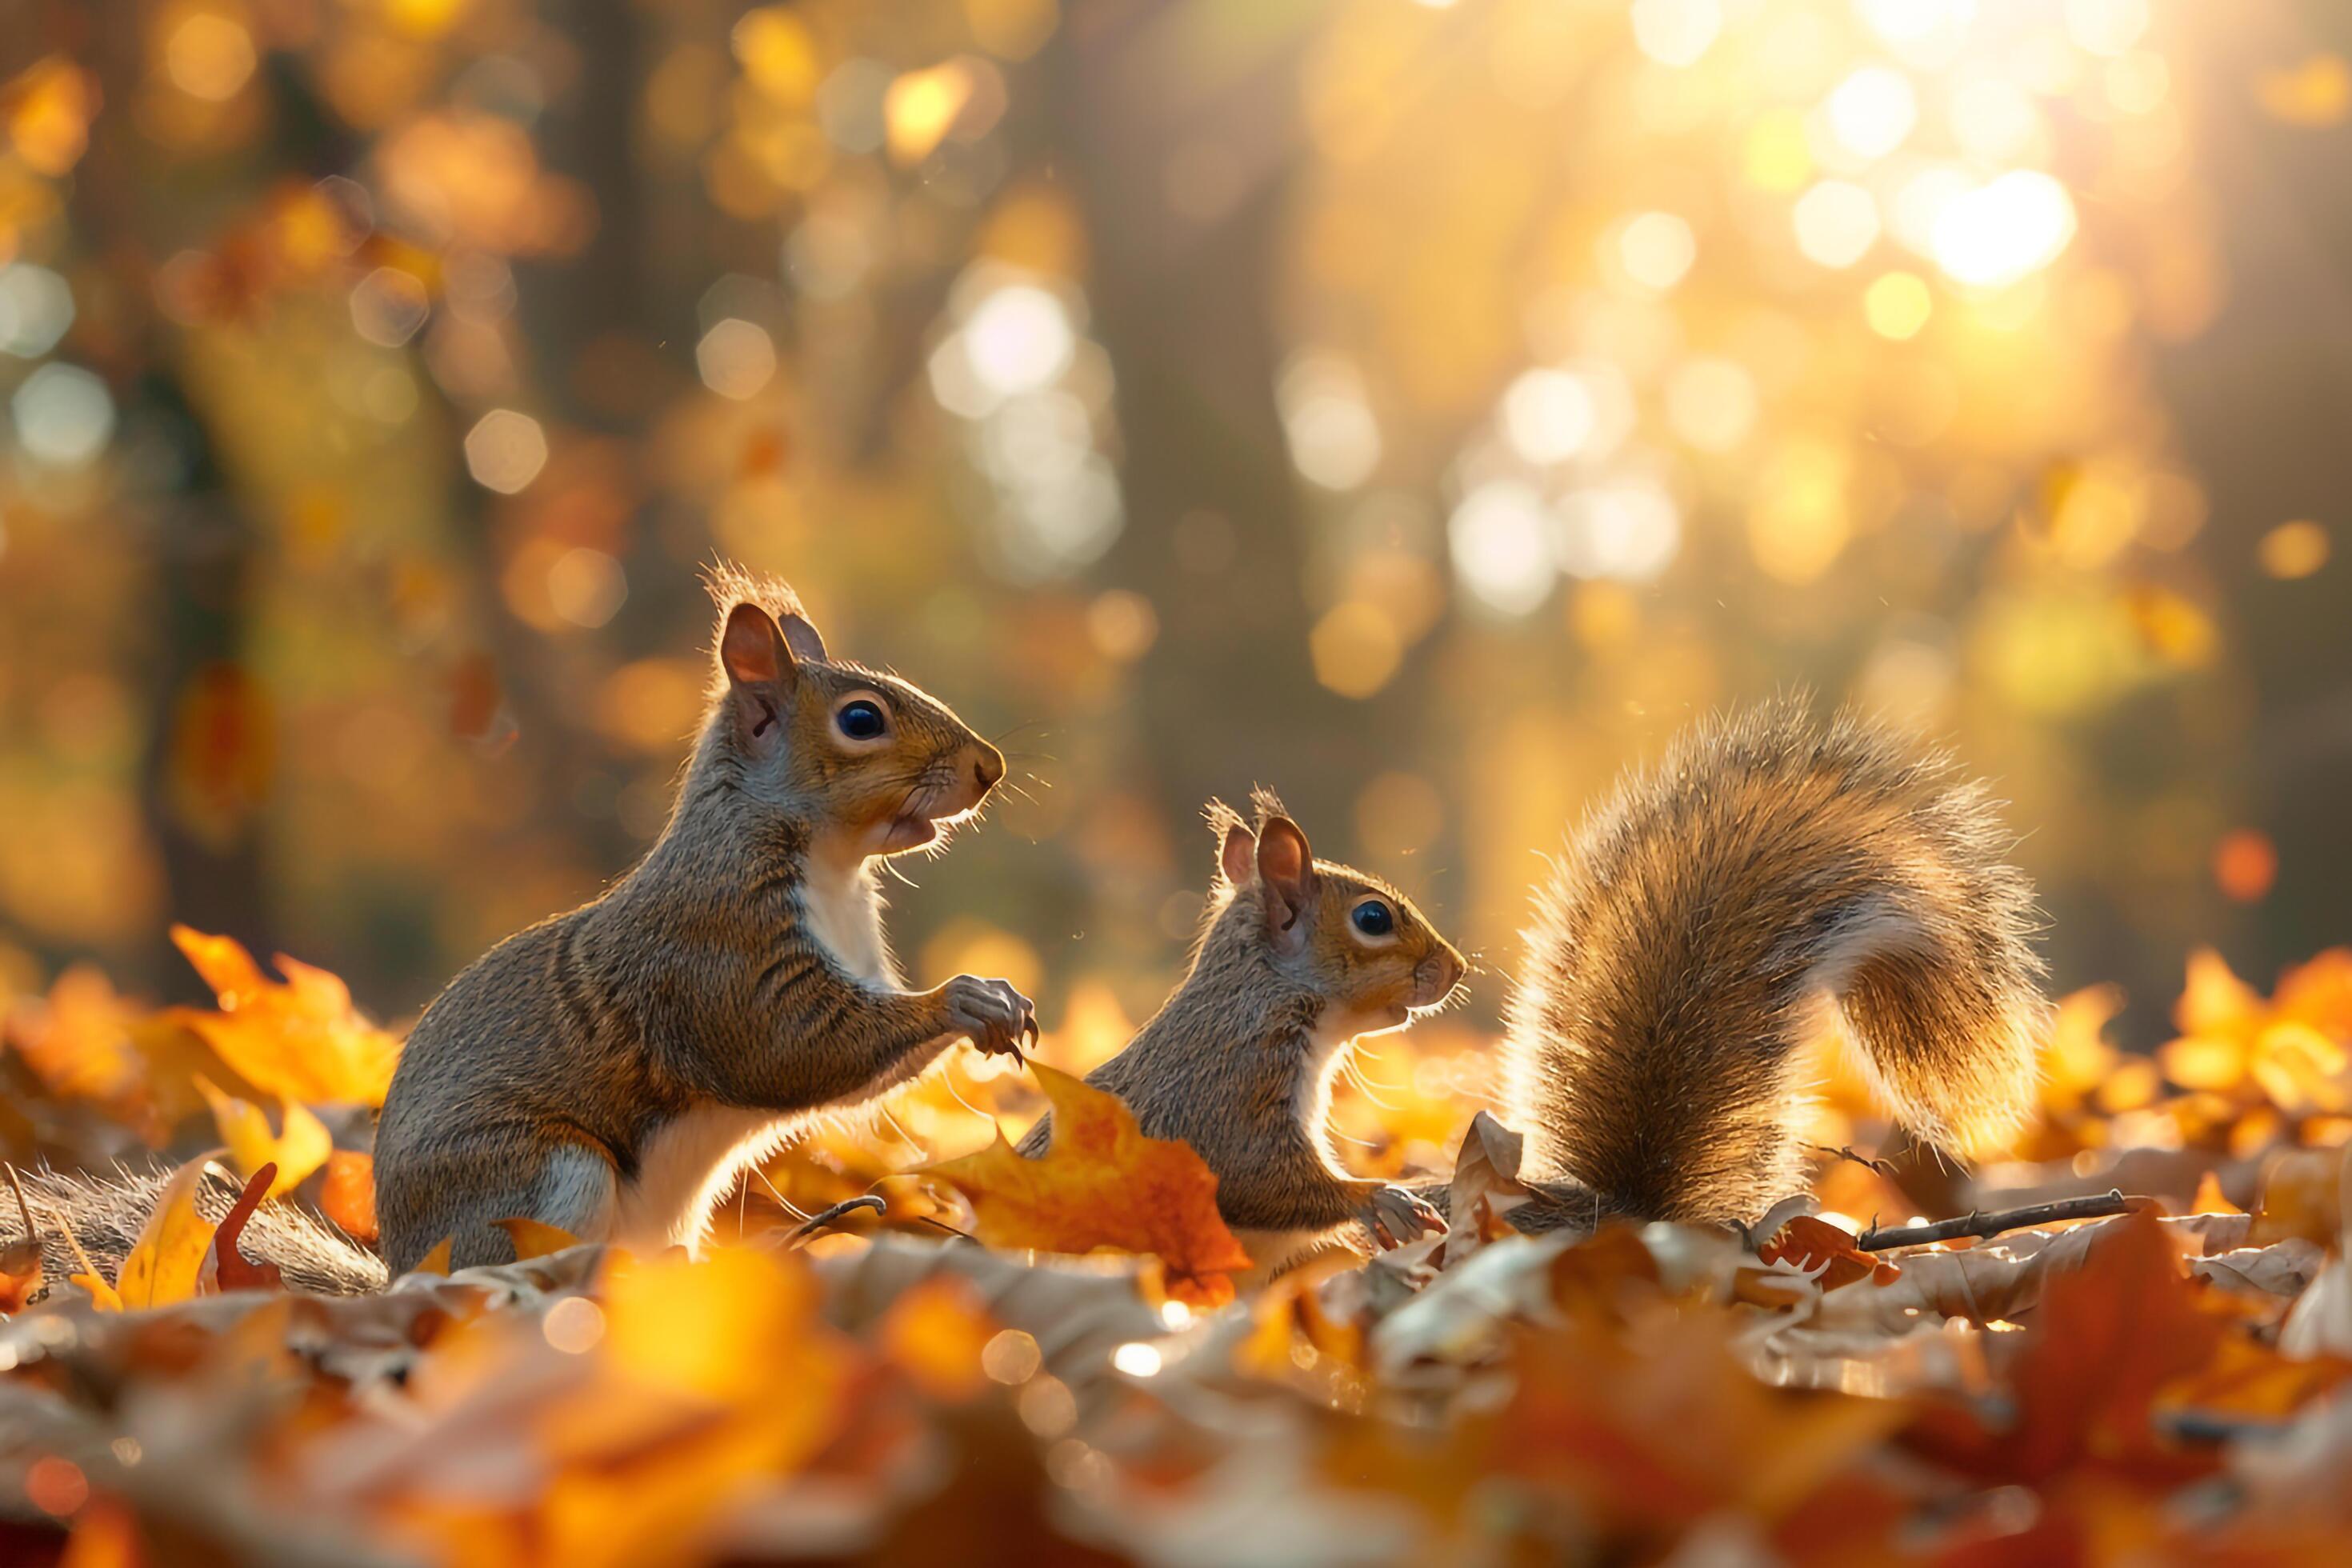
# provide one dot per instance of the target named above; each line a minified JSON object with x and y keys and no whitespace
{"x":759,"y":669}
{"x":801,"y":638}
{"x":1286,"y":866}
{"x":1237,"y":856}
{"x":753,"y":648}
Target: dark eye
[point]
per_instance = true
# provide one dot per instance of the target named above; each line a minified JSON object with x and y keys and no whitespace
{"x":861,"y":719}
{"x":1374,"y":918}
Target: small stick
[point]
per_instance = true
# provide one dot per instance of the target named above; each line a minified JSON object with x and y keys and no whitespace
{"x":951,"y":1230}
{"x":32,"y":1233}
{"x":1882,"y":1166}
{"x":824,"y":1217}
{"x":1976,"y":1224}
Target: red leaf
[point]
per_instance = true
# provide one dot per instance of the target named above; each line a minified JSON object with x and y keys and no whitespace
{"x":231,"y":1269}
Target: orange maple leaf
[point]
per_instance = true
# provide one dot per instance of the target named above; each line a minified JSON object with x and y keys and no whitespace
{"x":1103,"y":1184}
{"x":300,"y":1037}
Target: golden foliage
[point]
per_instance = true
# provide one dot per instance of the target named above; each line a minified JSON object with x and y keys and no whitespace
{"x":300,"y":1038}
{"x":1103,"y":1184}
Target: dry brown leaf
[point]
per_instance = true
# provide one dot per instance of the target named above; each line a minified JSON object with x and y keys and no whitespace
{"x":1815,"y":1245}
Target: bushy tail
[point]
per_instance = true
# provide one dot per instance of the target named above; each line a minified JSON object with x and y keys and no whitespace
{"x":1765,"y":876}
{"x":105,"y":1213}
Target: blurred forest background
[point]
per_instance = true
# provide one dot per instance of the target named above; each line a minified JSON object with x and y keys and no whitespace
{"x":1421,"y":409}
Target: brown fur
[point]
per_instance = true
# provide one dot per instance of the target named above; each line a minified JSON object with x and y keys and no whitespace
{"x":1232,"y":1065}
{"x":540,"y":1082}
{"x":1766,"y":874}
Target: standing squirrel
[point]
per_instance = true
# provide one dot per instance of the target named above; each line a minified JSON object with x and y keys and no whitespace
{"x":611,"y":1071}
{"x":1297,"y":957}
{"x":1766,"y":875}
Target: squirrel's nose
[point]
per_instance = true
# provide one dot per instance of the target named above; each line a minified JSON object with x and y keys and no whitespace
{"x":1437,"y":976}
{"x":987,"y":768}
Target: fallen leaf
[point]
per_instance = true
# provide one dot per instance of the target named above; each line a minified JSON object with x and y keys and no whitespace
{"x":2104,"y":1340}
{"x":935,"y":1333}
{"x":1485,"y":1187}
{"x":225,"y":1267}
{"x":300,"y":1037}
{"x":300,"y":1148}
{"x":2209,"y":1199}
{"x":2302,"y":1195}
{"x":1103,"y":1184}
{"x":347,"y":1196}
{"x":1815,"y":1244}
{"x":164,"y":1264}
{"x":20,"y":1274}
{"x":533,"y":1238}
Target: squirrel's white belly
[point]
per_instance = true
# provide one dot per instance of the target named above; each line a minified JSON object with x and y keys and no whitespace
{"x":694,"y":1161}
{"x":687,"y":1167}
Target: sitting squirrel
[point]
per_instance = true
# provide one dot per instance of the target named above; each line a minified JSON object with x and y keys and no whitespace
{"x":1297,"y":958}
{"x":1764,"y":874}
{"x":611,"y":1071}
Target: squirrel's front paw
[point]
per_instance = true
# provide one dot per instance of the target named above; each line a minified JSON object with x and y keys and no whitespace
{"x":994,"y":1015}
{"x":1396,"y":1216}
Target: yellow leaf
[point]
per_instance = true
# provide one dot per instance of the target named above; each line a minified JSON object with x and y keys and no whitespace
{"x":936,"y":1332}
{"x":301,"y":1148}
{"x":2214,"y":1000}
{"x":164,"y":1265}
{"x":1102,"y":1183}
{"x":2201,"y":1062}
{"x":2209,"y":1199}
{"x":300,"y":1038}
{"x":101,"y":1294}
{"x":533,"y":1239}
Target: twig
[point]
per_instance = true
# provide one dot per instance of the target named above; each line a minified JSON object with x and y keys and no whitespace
{"x":951,"y":1230}
{"x":1845,"y":1151}
{"x":1976,"y":1224}
{"x":825,"y":1217}
{"x":32,"y":1232}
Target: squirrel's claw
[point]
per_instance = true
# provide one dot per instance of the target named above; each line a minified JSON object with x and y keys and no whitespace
{"x":993,"y":1016}
{"x":1396,"y":1216}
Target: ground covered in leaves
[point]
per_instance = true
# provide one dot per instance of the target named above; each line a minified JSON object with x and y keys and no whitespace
{"x":969,"y":1357}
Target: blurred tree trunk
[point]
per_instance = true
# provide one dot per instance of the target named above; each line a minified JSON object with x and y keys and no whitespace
{"x":1182,"y":303}
{"x":2258,"y":398}
{"x":202,"y":543}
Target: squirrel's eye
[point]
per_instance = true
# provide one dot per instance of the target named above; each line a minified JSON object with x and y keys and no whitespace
{"x":1374,"y":918}
{"x":861,"y":719}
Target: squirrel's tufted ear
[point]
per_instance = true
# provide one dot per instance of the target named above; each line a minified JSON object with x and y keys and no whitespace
{"x":801,"y":638}
{"x":760,"y":667}
{"x":753,"y":647}
{"x":1237,"y":856}
{"x":1287,"y":867}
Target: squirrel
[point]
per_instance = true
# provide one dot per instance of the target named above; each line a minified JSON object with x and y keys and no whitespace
{"x":1295,"y":959}
{"x":611,"y":1071}
{"x":1765,"y":876}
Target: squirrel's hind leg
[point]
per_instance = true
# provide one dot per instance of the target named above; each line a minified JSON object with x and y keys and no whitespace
{"x":573,"y":1189}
